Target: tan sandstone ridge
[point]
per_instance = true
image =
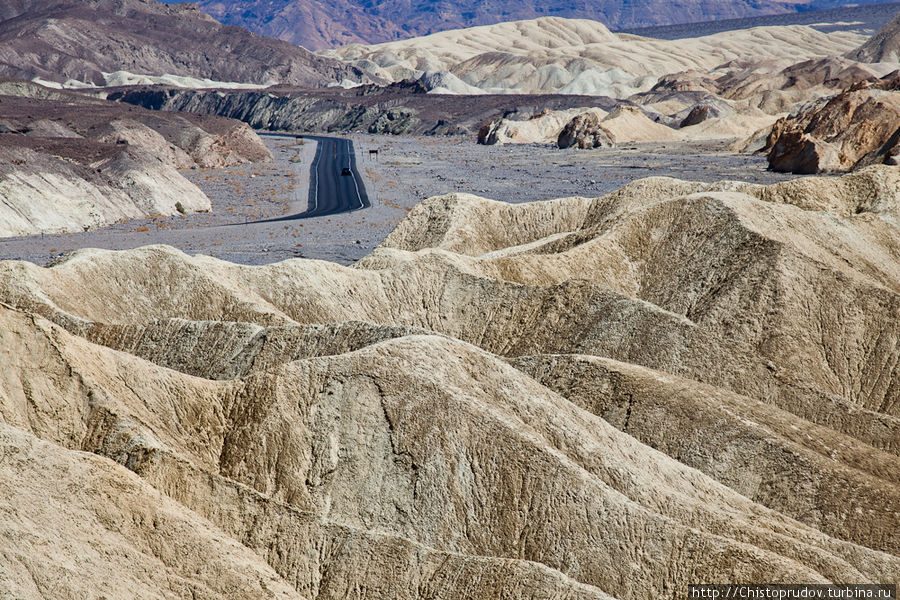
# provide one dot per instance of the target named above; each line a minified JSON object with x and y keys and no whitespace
{"x":579,"y":56}
{"x":41,"y":191}
{"x":594,"y":127}
{"x":582,"y":398}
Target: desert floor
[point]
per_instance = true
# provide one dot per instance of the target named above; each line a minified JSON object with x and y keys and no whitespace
{"x":408,"y":169}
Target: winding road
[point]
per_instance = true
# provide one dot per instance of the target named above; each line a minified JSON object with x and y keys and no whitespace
{"x":330,"y":192}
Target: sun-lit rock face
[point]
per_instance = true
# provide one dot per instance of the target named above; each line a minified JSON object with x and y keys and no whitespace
{"x":583,"y":398}
{"x":45,"y":193}
{"x":585,"y":131}
{"x":859,"y":126}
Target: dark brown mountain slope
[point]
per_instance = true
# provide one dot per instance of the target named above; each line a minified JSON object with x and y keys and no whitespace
{"x":59,"y":40}
{"x":400,"y":108}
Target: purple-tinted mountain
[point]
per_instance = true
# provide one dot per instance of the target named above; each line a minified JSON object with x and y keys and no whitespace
{"x":327,"y":23}
{"x":59,"y":40}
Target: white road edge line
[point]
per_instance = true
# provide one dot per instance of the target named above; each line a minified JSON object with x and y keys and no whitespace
{"x":349,"y":153}
{"x":316,"y":174}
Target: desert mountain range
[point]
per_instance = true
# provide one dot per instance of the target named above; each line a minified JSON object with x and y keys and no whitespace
{"x":551,"y":54}
{"x":598,"y":397}
{"x":583,"y":398}
{"x":317,"y":24}
{"x":619,"y":88}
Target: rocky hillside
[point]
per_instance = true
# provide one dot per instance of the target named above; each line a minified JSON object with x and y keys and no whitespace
{"x":857,"y":127}
{"x":581,"y":398}
{"x":576,"y":56}
{"x":884,"y":46}
{"x":320,"y":24}
{"x":726,"y":85}
{"x":401,"y":108}
{"x":90,"y":41}
{"x":69,"y":163}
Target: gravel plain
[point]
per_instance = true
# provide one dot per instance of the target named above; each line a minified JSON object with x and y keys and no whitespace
{"x":406,"y":170}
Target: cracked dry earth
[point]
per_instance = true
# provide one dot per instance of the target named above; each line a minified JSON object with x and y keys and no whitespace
{"x":609,"y":397}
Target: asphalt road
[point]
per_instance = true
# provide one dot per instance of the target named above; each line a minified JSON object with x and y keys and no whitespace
{"x":330,"y":192}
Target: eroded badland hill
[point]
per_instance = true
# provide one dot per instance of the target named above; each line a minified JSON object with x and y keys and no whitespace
{"x":590,"y":397}
{"x":579,"y":398}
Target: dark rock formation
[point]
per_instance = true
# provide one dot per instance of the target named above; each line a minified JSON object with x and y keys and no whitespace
{"x":362,"y":108}
{"x":585,"y":131}
{"x":859,"y":126}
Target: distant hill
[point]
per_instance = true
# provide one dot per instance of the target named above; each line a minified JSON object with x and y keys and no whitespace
{"x":320,"y":24}
{"x":580,"y":56}
{"x":864,"y":20}
{"x":59,"y":40}
{"x":884,"y":46}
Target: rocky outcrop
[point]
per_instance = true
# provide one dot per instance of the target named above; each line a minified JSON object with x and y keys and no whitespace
{"x":686,"y":81}
{"x":540,"y":128}
{"x":404,"y":107}
{"x":394,"y":122}
{"x":699,"y":114}
{"x":857,"y":127}
{"x":487,"y":133}
{"x":808,"y":79}
{"x":582,"y":128}
{"x":135,"y":133}
{"x":582,"y":398}
{"x":585,"y":131}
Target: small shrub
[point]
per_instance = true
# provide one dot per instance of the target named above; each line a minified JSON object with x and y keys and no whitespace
{"x":179,"y":207}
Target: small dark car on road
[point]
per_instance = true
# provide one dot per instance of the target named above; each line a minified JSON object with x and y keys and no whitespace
{"x":346,"y":171}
